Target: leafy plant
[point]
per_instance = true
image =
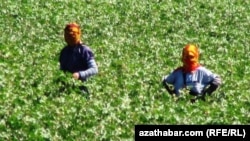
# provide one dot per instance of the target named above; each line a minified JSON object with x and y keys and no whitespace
{"x":135,"y":44}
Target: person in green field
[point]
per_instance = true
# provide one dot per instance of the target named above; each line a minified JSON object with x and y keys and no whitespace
{"x":76,"y":57}
{"x":199,"y":80}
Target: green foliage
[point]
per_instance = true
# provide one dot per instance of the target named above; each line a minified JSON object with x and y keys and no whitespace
{"x":135,"y":43}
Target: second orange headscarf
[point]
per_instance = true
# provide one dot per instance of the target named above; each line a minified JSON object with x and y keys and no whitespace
{"x":190,"y":58}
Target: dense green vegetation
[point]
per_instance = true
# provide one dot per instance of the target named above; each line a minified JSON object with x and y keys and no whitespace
{"x":135,"y":42}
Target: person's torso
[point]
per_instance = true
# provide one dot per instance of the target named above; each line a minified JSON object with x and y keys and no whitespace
{"x":195,"y":81}
{"x":74,"y":59}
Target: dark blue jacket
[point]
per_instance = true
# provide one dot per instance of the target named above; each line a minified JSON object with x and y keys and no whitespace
{"x":78,"y":59}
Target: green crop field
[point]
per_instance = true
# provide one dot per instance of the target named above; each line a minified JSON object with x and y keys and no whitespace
{"x":136,"y":43}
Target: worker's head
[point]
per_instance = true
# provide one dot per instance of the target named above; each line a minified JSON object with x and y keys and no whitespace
{"x":72,"y":34}
{"x":190,"y":57}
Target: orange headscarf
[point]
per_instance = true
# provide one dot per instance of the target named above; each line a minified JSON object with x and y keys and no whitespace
{"x":190,"y":57}
{"x":72,"y":34}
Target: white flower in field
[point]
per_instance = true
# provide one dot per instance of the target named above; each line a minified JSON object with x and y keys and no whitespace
{"x":45,"y":133}
{"x":171,"y":110}
{"x":126,"y":102}
{"x":222,"y":49}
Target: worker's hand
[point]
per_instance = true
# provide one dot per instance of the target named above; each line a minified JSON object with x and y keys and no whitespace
{"x":76,"y":75}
